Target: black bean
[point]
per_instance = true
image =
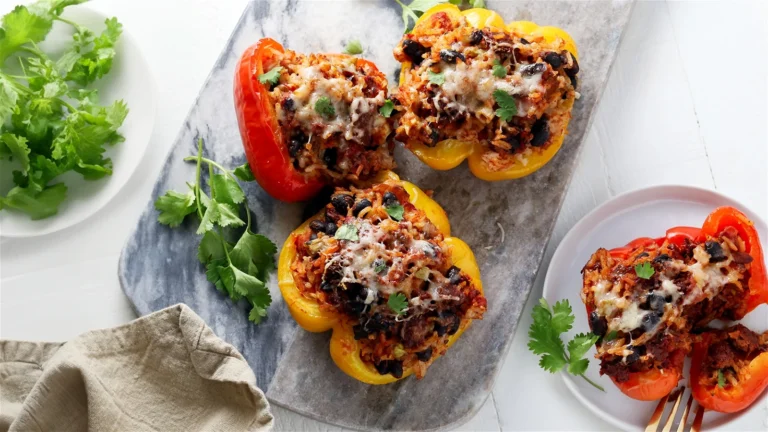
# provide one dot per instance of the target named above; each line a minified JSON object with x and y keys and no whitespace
{"x":650,"y":320}
{"x":382,"y":367}
{"x":389,"y":199}
{"x":317,"y":226}
{"x":377,"y":323}
{"x":450,"y":321}
{"x":635,"y":356}
{"x":598,"y":324}
{"x":415,"y":51}
{"x":715,"y":251}
{"x":524,"y":41}
{"x":476,"y":37}
{"x":361,"y":205}
{"x":573,"y":70}
{"x":641,"y":255}
{"x":424,"y":355}
{"x":434,"y":135}
{"x":553,"y":59}
{"x":540,"y":132}
{"x":574,"y":82}
{"x":330,"y":228}
{"x":532,"y":69}
{"x":342,"y":203}
{"x":450,"y":56}
{"x":296,"y":143}
{"x":661,"y":258}
{"x":326,"y":286}
{"x":439,"y":329}
{"x":396,"y":368}
{"x":360,"y":333}
{"x":514,"y":143}
{"x":655,"y":302}
{"x":329,"y":157}
{"x":288,"y":104}
{"x":454,"y":275}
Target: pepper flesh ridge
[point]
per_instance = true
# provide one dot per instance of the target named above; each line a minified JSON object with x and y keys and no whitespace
{"x":450,"y":153}
{"x":309,"y":314}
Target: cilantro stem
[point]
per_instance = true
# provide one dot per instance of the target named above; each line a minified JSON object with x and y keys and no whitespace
{"x":229,"y":174}
{"x":197,"y":176}
{"x":594,"y":384}
{"x":64,"y":20}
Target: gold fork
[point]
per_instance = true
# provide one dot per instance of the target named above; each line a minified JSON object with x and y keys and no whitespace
{"x":677,"y":396}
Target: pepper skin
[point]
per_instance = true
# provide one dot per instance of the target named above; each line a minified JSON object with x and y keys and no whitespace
{"x":265,"y":146}
{"x":652,"y":384}
{"x":450,"y":153}
{"x":731,"y":398}
{"x":344,"y":349}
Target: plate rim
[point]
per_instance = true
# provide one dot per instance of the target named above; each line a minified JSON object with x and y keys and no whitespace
{"x":151,"y":83}
{"x":648,"y":194}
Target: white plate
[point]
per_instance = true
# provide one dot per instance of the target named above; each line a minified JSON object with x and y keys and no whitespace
{"x":641,"y":213}
{"x":130,"y":80}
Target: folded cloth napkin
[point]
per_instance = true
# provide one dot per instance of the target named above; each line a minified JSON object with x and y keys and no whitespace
{"x":163,"y":372}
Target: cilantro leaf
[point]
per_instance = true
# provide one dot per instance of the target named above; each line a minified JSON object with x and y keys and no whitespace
{"x":387,"y":108}
{"x":324,"y":107}
{"x":379,"y":266}
{"x":347,"y":232}
{"x":644,"y":270}
{"x":499,"y":71}
{"x":580,"y":344}
{"x":398,"y":303}
{"x":272,"y":77}
{"x":507,"y":105}
{"x":95,"y":62}
{"x":720,"y":379}
{"x":211,"y":248}
{"x":226,"y":190}
{"x":578,"y":367}
{"x":19,"y":27}
{"x":436,"y":78}
{"x":9,"y":95}
{"x":562,"y":317}
{"x":244,"y":173}
{"x":611,"y":336}
{"x":353,"y":47}
{"x":18,"y":149}
{"x":174,"y":207}
{"x":254,"y":249}
{"x":395,"y":212}
{"x":228,"y":215}
{"x":210,"y":216}
{"x":37,"y":204}
{"x":414,"y":10}
{"x":551,"y":363}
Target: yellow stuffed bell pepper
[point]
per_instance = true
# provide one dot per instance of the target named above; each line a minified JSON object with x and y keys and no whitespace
{"x":450,"y":152}
{"x":315,"y":316}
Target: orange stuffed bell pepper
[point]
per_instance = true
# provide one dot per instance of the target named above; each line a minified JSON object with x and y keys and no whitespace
{"x":729,"y":368}
{"x":310,"y":120}
{"x":670,"y":286}
{"x":472,"y":87}
{"x":379,"y":268}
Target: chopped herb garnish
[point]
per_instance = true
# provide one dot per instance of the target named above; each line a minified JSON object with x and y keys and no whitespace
{"x":436,"y":78}
{"x":379,"y":266}
{"x":499,"y":71}
{"x":271,"y":77}
{"x":720,"y":378}
{"x":644,"y":270}
{"x":347,"y":232}
{"x":422,"y":273}
{"x":395,"y":212}
{"x":387,"y":108}
{"x":398,"y":303}
{"x":507,"y":105}
{"x":611,"y":336}
{"x":325,"y":108}
{"x":353,"y":47}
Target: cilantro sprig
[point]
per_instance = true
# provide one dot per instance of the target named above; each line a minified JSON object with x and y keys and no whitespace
{"x":437,"y":78}
{"x":387,"y":108}
{"x":398,"y":303}
{"x":353,"y":47}
{"x":507,"y":105}
{"x":50,"y":121}
{"x":499,"y":71}
{"x":239,"y":269}
{"x":324,"y":107}
{"x":644,"y":270}
{"x":544,"y":340}
{"x":272,"y":76}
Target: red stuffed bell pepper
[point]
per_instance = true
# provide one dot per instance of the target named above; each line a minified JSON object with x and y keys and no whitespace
{"x":644,"y":298}
{"x":311,"y":120}
{"x":729,"y":368}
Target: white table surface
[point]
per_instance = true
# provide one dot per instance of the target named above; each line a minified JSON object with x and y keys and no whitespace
{"x":685,"y":104}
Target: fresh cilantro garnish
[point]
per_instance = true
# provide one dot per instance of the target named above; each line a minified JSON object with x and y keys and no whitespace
{"x":395,"y":212}
{"x":50,"y":123}
{"x":347,"y":232}
{"x":507,"y":105}
{"x":324,"y":107}
{"x":611,"y":336}
{"x":272,"y":76}
{"x":398,"y":303}
{"x":436,"y":78}
{"x":379,"y":266}
{"x":412,"y":11}
{"x":244,"y":173}
{"x":240,"y":269}
{"x":544,"y":334}
{"x":499,"y":71}
{"x":387,"y":108}
{"x":644,"y":270}
{"x":353,"y":47}
{"x":720,"y":378}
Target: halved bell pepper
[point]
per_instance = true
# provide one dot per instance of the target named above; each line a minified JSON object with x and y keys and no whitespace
{"x":450,"y":153}
{"x":265,"y":145}
{"x":717,"y":221}
{"x":730,"y":398}
{"x":652,"y":384}
{"x":314,"y":317}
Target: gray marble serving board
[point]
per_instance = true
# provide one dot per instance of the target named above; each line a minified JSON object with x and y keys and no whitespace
{"x":507,"y":223}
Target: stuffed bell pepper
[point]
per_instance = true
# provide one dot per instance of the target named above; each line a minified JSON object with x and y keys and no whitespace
{"x":729,"y":368}
{"x":472,"y":87}
{"x":310,"y":120}
{"x":379,"y":268}
{"x":645,"y":299}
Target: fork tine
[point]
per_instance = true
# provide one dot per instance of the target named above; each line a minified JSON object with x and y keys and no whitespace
{"x":684,"y":418}
{"x":671,"y":418}
{"x":696,"y":427}
{"x":653,"y":423}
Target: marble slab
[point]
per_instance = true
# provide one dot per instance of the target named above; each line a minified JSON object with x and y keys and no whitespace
{"x":507,"y":224}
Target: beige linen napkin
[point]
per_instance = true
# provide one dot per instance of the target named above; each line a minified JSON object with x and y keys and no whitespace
{"x":163,"y":372}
